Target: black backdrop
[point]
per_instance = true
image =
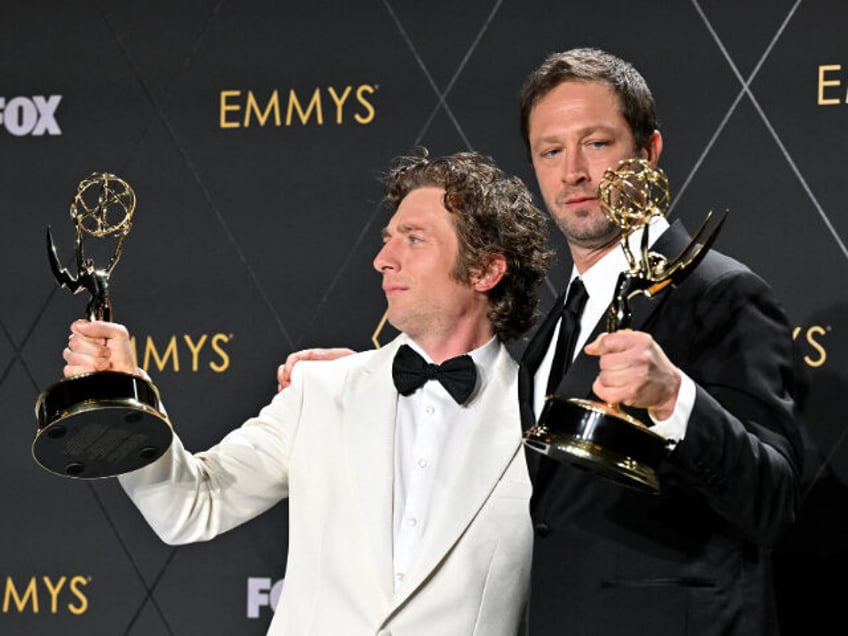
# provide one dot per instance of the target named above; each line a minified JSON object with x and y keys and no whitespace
{"x":254,"y":133}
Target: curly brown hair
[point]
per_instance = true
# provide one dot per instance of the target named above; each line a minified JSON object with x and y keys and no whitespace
{"x":493,"y":214}
{"x":593,"y":65}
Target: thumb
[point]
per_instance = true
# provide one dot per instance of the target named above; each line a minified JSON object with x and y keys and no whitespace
{"x":595,"y":348}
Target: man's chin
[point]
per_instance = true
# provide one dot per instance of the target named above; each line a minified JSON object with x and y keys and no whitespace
{"x":590,"y":235}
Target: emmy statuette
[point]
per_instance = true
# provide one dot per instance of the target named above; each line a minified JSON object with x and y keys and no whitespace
{"x":599,"y":437}
{"x":105,"y":423}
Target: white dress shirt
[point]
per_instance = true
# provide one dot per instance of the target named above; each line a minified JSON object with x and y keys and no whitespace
{"x":600,"y":281}
{"x":431,"y":437}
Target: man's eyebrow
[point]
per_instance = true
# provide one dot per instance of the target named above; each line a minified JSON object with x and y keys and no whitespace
{"x":586,"y":131}
{"x":404,"y":228}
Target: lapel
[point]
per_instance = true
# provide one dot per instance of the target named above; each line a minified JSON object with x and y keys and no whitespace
{"x":532,"y":358}
{"x":494,"y":443}
{"x":370,"y":411}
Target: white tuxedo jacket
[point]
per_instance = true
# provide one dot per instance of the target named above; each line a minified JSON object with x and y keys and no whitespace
{"x":327,"y":443}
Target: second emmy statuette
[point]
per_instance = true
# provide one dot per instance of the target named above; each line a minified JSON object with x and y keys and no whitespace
{"x":600,"y":437}
{"x":106,"y":423}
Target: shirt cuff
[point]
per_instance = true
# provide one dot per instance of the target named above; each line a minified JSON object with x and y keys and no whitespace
{"x":674,"y":427}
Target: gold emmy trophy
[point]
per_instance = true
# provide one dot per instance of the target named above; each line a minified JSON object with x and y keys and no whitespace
{"x":600,"y":437}
{"x":105,"y":423}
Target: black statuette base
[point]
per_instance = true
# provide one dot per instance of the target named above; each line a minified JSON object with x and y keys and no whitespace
{"x":600,"y":439}
{"x":100,"y":425}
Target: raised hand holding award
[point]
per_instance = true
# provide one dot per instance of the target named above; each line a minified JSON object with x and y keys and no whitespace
{"x":105,"y":423}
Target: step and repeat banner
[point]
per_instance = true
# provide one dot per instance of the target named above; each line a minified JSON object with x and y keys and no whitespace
{"x":254,"y":135}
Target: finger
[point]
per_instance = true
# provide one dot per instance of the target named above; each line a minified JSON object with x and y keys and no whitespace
{"x":74,"y":368}
{"x":77,"y":340}
{"x":619,"y":341}
{"x":595,"y":348}
{"x":331,"y":354}
{"x":615,"y":393}
{"x":284,"y":371}
{"x":70,"y":371}
{"x":616,"y":361}
{"x":87,"y":362}
{"x":86,"y":347}
{"x":283,"y":378}
{"x":99,"y":329}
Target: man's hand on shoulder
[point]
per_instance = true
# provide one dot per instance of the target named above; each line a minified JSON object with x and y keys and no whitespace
{"x":284,"y":371}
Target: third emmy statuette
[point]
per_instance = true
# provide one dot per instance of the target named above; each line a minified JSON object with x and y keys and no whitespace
{"x":105,"y":423}
{"x":600,"y":437}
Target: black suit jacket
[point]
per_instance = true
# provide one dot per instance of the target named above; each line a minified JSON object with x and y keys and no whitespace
{"x":693,"y":560}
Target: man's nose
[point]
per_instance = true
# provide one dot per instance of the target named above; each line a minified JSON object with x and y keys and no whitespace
{"x":575,"y":170}
{"x":385,"y":258}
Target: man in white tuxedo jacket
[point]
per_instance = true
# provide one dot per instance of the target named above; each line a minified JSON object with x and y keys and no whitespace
{"x":408,"y":506}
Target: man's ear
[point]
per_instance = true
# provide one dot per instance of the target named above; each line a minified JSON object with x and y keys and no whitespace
{"x":493,"y":273}
{"x":653,"y":149}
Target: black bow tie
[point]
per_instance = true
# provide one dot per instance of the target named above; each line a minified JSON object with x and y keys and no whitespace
{"x":457,"y":375}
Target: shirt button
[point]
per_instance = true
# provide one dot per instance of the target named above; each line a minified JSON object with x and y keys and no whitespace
{"x":430,"y":410}
{"x":423,"y":463}
{"x":399,"y":576}
{"x":412,"y":522}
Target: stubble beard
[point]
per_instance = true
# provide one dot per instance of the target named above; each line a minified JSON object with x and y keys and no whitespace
{"x":588,"y":229}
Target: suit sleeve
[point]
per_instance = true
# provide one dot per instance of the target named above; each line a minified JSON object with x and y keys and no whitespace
{"x":742,"y":448}
{"x":189,"y":497}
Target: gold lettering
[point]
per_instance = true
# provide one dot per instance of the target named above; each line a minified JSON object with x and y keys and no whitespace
{"x":54,"y":592}
{"x":815,"y":344}
{"x":226,"y":107}
{"x":171,"y":353}
{"x":300,"y":111}
{"x":76,"y":582}
{"x":314,"y":103}
{"x":150,"y":350}
{"x":369,"y":117}
{"x":811,"y":337}
{"x":225,"y":359}
{"x":20,"y":602}
{"x":272,"y":106}
{"x":194,"y":349}
{"x":823,"y":83}
{"x":339,"y":101}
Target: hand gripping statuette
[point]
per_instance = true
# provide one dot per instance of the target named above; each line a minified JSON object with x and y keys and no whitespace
{"x":599,"y":437}
{"x":105,"y":423}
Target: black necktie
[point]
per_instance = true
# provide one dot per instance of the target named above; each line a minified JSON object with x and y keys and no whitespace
{"x":569,"y":330}
{"x":457,"y":375}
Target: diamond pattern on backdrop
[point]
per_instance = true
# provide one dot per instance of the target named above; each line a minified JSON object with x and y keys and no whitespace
{"x":262,"y":236}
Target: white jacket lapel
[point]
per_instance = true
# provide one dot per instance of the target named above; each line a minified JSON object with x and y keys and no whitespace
{"x":369,"y":417}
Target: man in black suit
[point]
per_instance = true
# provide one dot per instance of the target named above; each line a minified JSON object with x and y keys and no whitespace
{"x":707,"y":364}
